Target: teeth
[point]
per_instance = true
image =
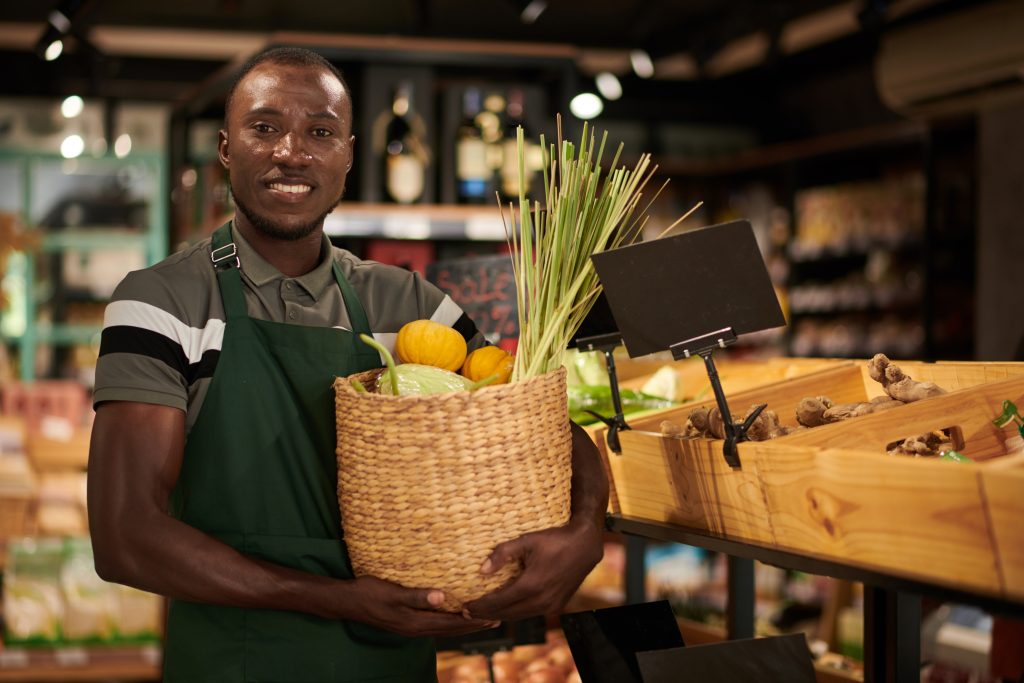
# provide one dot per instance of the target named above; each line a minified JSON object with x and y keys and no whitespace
{"x":292,"y":189}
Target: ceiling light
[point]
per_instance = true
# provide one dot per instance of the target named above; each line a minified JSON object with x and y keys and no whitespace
{"x":608,"y":85}
{"x":72,"y":146}
{"x":53,"y":50}
{"x":122,"y":145}
{"x":586,"y":105}
{"x":59,"y":21}
{"x":642,"y":64}
{"x":533,"y":9}
{"x":72,"y":106}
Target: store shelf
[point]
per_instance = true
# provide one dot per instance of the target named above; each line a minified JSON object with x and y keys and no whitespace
{"x":63,"y":335}
{"x":80,"y":664}
{"x":417,"y":222}
{"x":86,"y":239}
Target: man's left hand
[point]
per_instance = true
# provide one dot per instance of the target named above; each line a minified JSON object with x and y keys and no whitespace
{"x":555,"y":562}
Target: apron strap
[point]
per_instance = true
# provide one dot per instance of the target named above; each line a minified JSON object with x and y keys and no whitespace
{"x":224,"y":255}
{"x":356,"y":314}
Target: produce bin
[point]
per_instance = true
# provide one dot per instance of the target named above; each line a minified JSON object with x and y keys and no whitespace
{"x":833,"y":492}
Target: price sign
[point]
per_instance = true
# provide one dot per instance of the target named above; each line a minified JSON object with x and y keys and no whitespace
{"x":485,"y":289}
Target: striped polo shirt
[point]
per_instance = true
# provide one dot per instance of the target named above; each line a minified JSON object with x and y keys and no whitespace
{"x":164,"y":325}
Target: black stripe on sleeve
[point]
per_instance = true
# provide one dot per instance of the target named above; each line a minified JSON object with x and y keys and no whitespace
{"x":465,"y":326}
{"x":127,"y":339}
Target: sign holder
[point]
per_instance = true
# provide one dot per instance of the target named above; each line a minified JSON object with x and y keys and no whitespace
{"x":690,"y":294}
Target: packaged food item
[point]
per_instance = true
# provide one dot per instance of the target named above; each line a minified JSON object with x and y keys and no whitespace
{"x":33,"y":607}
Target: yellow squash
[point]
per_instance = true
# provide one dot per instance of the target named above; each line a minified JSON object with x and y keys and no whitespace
{"x":487,"y":361}
{"x":428,"y":343}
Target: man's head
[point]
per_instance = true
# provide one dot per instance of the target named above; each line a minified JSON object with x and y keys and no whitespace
{"x":287,"y":141}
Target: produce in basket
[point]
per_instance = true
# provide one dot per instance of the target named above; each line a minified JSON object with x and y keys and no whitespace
{"x":428,"y":485}
{"x":413,"y":379}
{"x":425,"y":342}
{"x":487,"y":361}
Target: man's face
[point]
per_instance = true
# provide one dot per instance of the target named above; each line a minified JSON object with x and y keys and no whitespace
{"x":287,"y":146}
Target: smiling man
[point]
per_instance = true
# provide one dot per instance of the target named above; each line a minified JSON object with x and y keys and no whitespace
{"x":212,"y":476}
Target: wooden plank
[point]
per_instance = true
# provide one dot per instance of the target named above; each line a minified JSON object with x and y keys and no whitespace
{"x":971,"y":409}
{"x":687,"y":482}
{"x":950,"y":375}
{"x":843,"y":383}
{"x":922,"y":518}
{"x":1002,"y":490}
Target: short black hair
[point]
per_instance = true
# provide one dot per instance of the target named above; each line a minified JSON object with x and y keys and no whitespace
{"x":289,"y":56}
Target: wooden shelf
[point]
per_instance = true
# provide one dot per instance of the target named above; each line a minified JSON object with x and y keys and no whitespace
{"x":80,"y":664}
{"x":902,"y":132}
{"x":416,"y":221}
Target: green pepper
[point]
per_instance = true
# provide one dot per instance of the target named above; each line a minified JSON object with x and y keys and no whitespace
{"x":598,"y":399}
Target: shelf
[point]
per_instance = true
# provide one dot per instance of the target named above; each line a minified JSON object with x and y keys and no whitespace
{"x":416,"y":222}
{"x":86,"y":239}
{"x":80,"y":664}
{"x":888,"y":135}
{"x":67,"y":334}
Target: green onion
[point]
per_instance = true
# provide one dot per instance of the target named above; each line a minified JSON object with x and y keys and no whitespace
{"x":585,"y":211}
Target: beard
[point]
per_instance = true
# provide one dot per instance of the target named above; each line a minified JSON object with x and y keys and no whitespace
{"x":269,"y":227}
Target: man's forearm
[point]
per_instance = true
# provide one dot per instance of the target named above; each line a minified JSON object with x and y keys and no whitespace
{"x":168,"y":557}
{"x":589,"y":483}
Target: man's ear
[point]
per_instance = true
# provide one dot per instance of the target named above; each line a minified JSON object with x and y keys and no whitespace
{"x":222,"y":147}
{"x":351,"y":152}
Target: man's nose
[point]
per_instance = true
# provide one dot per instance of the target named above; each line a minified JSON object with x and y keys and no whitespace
{"x":290,"y":149}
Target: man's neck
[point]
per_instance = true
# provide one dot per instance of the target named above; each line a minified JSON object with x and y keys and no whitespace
{"x":292,"y":258}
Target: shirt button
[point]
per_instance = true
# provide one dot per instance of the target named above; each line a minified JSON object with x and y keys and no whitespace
{"x":291,"y":314}
{"x":288,"y":285}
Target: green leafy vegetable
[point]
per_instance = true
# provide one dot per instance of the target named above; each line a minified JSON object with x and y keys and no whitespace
{"x":599,"y":399}
{"x":412,"y":379}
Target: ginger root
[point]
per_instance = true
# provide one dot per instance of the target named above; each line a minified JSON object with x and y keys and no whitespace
{"x":810,"y":411}
{"x":919,"y":445}
{"x":708,"y":423}
{"x":845,"y":411}
{"x":897,"y":384}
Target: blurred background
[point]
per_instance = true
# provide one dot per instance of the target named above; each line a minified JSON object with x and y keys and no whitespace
{"x":876,"y":146}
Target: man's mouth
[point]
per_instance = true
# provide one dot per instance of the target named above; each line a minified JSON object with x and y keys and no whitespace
{"x":289,"y":188}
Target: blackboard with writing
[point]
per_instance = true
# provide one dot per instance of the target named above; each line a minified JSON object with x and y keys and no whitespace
{"x":485,"y":288}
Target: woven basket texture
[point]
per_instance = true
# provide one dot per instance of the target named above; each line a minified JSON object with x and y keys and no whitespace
{"x":429,"y":485}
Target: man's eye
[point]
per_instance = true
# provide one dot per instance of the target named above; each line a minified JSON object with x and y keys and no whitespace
{"x":262,"y":127}
{"x":322,"y":132}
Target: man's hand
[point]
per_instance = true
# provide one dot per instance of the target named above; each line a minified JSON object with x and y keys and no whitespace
{"x":555,"y":562}
{"x":410,"y":611}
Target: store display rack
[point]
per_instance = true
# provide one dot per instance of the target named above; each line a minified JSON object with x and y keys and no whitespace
{"x":828,"y":501}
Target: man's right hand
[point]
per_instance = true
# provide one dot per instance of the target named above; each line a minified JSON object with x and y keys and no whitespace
{"x":410,"y":611}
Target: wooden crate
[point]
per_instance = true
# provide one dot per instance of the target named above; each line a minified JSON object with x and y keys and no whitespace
{"x":832,"y":492}
{"x":738,"y":377}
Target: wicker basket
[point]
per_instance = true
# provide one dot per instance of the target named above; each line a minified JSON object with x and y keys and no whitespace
{"x":428,"y":485}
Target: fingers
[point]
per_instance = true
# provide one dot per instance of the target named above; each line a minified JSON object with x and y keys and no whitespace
{"x":503,"y":553}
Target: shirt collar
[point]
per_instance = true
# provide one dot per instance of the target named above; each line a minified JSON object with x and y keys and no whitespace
{"x":261,"y":273}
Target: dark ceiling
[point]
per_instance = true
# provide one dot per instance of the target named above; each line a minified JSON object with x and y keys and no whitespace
{"x":838,"y":69}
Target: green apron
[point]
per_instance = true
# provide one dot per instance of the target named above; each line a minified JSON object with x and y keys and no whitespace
{"x":259,"y":473}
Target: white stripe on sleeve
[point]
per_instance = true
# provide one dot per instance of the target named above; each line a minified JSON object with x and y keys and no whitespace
{"x":194,"y":341}
{"x":447,"y":313}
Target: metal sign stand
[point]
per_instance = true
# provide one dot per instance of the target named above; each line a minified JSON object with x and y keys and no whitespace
{"x":704,"y":346}
{"x":606,"y":343}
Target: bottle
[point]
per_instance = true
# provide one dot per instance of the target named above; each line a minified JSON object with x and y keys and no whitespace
{"x":405,"y":152}
{"x":491,"y":122}
{"x":510,"y":155}
{"x":471,"y":171}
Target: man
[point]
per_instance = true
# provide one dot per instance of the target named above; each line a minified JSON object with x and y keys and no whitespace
{"x":211,"y":470}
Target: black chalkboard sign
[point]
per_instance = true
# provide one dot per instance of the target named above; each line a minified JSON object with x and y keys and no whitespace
{"x":485,"y":288}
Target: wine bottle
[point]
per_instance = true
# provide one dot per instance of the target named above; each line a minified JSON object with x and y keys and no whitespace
{"x":471,"y":170}
{"x":405,"y":152}
{"x":510,"y":157}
